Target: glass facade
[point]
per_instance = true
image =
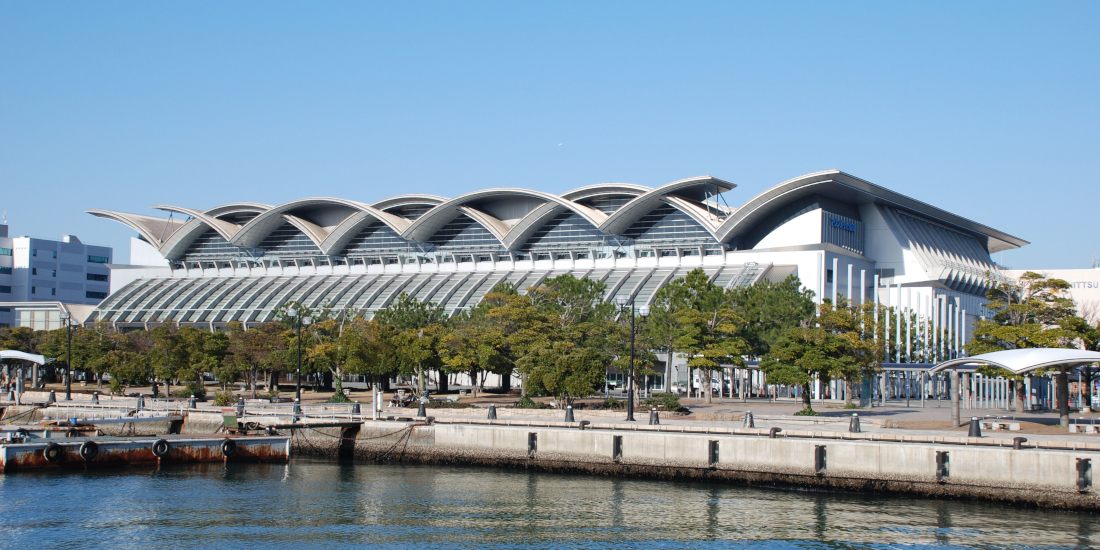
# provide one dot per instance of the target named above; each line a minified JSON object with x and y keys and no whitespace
{"x":566,"y":230}
{"x":287,"y":240}
{"x":374,"y":238}
{"x":211,"y":245}
{"x":666,"y":224}
{"x":463,"y":233}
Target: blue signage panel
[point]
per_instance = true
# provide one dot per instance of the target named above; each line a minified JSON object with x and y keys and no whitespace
{"x":841,"y":224}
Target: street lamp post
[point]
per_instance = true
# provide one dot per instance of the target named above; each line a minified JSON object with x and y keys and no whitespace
{"x":624,"y":303}
{"x":300,"y":320}
{"x":67,"y":319}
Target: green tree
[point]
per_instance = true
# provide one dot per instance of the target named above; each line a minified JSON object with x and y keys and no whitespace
{"x":567,"y":348}
{"x":709,"y":328}
{"x":803,"y":353}
{"x":770,"y":309}
{"x":415,"y":329}
{"x":1031,"y":312}
{"x":256,"y":348}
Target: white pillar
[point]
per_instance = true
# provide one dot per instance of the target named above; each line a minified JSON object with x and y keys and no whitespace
{"x":862,"y":286}
{"x":897,"y":328}
{"x":849,"y":295}
{"x":836,"y":278}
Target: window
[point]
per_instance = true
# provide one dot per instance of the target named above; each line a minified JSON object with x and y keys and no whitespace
{"x":5,"y":271}
{"x":102,"y":259}
{"x":34,"y":271}
{"x":34,"y":290}
{"x":828,"y":275}
{"x":34,"y":252}
{"x":54,"y":273}
{"x":5,"y":252}
{"x":97,"y":277}
{"x":96,"y":295}
{"x":5,"y":310}
{"x":55,"y":254}
{"x":5,"y":290}
{"x":53,"y":292}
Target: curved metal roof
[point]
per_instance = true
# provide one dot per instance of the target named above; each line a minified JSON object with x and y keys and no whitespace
{"x":641,"y":205}
{"x":846,"y":187}
{"x":1020,"y":361}
{"x":331,"y":223}
{"x":22,"y":356}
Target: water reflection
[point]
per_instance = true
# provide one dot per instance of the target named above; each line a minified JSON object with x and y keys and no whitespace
{"x":319,"y":504}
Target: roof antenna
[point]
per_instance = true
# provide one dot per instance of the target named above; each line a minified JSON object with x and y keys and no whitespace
{"x":5,"y":222}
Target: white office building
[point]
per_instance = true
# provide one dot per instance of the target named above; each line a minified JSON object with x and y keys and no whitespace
{"x":38,"y":275}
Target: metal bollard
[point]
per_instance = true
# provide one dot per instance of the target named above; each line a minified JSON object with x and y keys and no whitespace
{"x":853,"y":426}
{"x":240,"y":405}
{"x":297,"y":408}
{"x":52,"y":398}
{"x":140,"y":402}
{"x":773,"y":431}
{"x":975,"y":427}
{"x":191,"y":402}
{"x":421,"y":412}
{"x":654,"y":417}
{"x":492,"y":412}
{"x":1018,"y":442}
{"x":95,"y":398}
{"x":569,"y":414}
{"x":750,"y":422}
{"x":355,"y":409}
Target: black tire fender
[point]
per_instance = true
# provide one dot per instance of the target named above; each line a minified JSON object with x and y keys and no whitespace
{"x":89,"y":450}
{"x":73,"y":432}
{"x":229,"y":447}
{"x":52,"y":452}
{"x":161,"y":447}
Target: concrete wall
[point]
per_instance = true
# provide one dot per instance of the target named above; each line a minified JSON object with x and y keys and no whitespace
{"x":1047,"y":477}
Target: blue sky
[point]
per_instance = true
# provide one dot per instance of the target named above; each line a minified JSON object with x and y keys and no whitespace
{"x":989,"y":110}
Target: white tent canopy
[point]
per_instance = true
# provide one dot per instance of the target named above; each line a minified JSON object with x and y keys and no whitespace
{"x":1019,"y":361}
{"x":22,"y":356}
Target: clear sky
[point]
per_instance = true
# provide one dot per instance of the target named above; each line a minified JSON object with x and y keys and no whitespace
{"x":989,"y":110}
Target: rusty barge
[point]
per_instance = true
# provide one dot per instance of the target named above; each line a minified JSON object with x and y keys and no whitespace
{"x":35,"y":453}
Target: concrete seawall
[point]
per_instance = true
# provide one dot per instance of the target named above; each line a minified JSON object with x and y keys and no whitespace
{"x":1033,"y":476}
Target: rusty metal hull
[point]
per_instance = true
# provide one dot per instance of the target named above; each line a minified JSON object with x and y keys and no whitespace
{"x":127,"y":451}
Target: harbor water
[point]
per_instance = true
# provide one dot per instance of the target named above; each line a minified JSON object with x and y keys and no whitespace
{"x":308,"y":504}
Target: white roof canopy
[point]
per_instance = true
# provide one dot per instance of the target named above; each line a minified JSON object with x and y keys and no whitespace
{"x":22,"y":356}
{"x":1020,"y":361}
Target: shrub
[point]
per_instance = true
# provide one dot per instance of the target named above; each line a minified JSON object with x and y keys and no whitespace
{"x":671,"y":401}
{"x":526,"y":402}
{"x":116,"y":386}
{"x":448,"y":404}
{"x":223,"y":399}
{"x":852,"y":406}
{"x":339,"y":396}
{"x":807,"y":412}
{"x":613,"y":403}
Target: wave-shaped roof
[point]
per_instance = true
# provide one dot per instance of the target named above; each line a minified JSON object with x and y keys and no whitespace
{"x":513,"y":215}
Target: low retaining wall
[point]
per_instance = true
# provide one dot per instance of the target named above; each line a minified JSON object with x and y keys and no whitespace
{"x":1044,"y":477}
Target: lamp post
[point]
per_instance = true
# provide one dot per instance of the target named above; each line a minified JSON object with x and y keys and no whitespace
{"x":299,"y":321}
{"x":67,"y":319}
{"x":624,"y":303}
